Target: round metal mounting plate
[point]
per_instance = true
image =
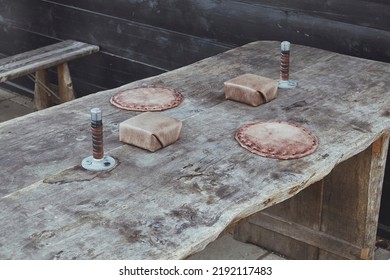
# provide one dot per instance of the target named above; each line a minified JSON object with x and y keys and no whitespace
{"x":147,"y":99}
{"x":287,"y":84}
{"x":277,"y":139}
{"x":105,"y":164}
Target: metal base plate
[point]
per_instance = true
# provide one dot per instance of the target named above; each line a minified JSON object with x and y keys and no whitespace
{"x":104,"y":164}
{"x":287,"y":84}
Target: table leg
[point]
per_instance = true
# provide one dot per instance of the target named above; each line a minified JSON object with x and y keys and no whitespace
{"x":335,"y":218}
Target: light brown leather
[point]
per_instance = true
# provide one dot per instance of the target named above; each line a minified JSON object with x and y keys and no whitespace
{"x":151,"y":131}
{"x":147,"y":99}
{"x":277,"y":139}
{"x":251,"y":89}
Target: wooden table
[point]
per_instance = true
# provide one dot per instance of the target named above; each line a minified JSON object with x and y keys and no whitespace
{"x":172,"y":203}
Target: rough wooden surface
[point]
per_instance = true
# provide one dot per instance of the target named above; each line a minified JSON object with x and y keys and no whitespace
{"x":336,"y":218}
{"x":65,"y":86}
{"x":42,"y":58}
{"x":172,"y":203}
{"x":41,"y":98}
{"x":144,"y":38}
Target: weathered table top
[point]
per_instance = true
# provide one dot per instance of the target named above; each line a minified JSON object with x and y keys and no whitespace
{"x":172,"y":203}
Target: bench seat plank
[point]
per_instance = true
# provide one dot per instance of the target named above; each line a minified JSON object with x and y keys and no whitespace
{"x":29,"y":62}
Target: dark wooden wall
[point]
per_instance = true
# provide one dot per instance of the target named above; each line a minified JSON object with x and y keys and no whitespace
{"x":141,"y":38}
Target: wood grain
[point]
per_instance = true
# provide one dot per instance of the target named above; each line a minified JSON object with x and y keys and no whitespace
{"x":29,"y":62}
{"x":336,"y":218}
{"x":143,"y":38}
{"x":41,"y":98}
{"x":65,"y":85}
{"x":172,"y":203}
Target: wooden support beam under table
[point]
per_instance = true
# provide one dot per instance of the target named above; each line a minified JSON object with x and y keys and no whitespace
{"x":335,"y":218}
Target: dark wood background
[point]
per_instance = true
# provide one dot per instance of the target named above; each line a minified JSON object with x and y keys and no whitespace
{"x":144,"y":38}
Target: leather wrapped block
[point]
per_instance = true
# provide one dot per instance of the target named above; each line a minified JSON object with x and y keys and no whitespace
{"x":150,"y":131}
{"x":251,"y":89}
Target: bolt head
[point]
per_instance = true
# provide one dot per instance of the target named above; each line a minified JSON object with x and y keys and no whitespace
{"x":96,"y":114}
{"x":285,"y":46}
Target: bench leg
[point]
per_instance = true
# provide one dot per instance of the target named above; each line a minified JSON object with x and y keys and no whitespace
{"x":65,"y":86}
{"x":335,"y":218}
{"x":41,"y":98}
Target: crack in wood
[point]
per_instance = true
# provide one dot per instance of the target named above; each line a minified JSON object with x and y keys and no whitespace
{"x":190,"y":176}
{"x":75,"y":175}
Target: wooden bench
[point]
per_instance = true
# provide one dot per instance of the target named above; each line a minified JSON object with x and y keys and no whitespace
{"x":38,"y":61}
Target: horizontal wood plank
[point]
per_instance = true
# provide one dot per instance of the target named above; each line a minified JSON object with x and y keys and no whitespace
{"x":368,"y":13}
{"x":90,"y":74}
{"x":313,"y":23}
{"x":360,"y":13}
{"x":306,"y":235}
{"x":43,"y":58}
{"x":156,"y":46}
{"x":156,"y":36}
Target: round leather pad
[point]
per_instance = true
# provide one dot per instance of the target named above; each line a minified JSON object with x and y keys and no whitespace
{"x":277,"y":139}
{"x":147,"y":99}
